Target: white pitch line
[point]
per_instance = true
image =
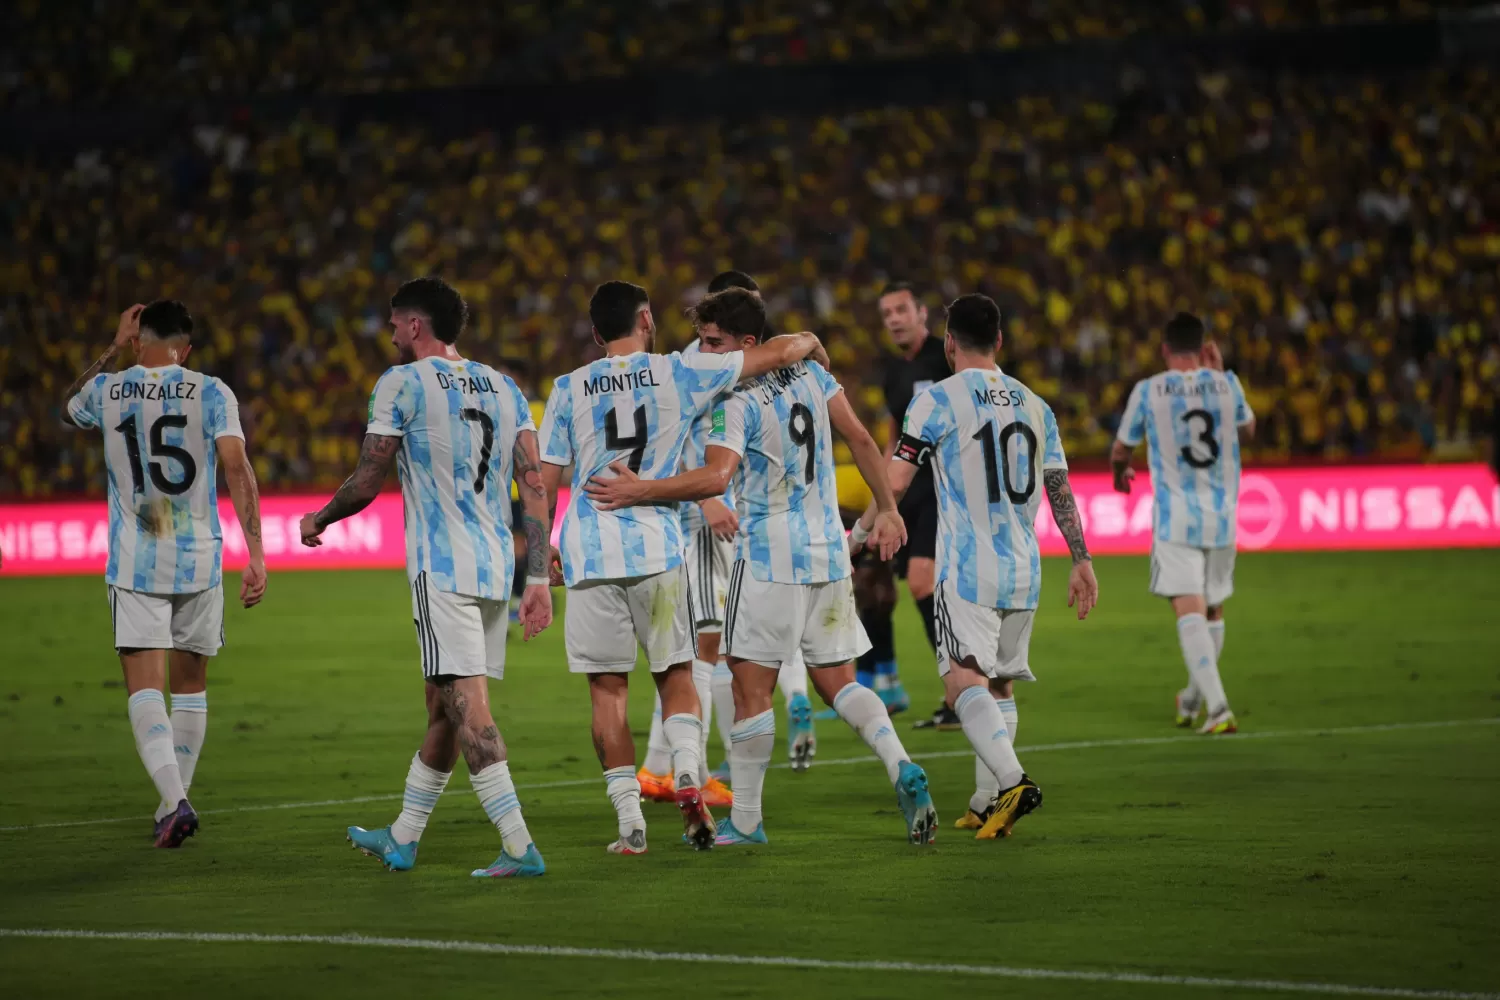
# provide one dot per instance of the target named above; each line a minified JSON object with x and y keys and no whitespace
{"x":782,"y":961}
{"x":837,"y":762}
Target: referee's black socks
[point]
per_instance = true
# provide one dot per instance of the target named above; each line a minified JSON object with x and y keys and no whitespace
{"x":924,"y":606}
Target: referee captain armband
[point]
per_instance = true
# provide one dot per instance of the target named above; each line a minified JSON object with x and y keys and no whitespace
{"x":913,"y":450}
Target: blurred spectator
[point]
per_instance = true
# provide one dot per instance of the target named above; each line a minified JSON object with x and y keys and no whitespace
{"x":1338,"y":235}
{"x":71,"y":51}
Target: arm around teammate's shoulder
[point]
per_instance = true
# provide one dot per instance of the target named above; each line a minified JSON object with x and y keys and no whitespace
{"x":778,"y":352}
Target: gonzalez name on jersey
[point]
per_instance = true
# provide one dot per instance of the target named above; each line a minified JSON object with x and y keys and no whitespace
{"x":159,"y":427}
{"x":458,"y":422}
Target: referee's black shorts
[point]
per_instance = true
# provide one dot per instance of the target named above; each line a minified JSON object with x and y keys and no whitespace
{"x":919,"y":511}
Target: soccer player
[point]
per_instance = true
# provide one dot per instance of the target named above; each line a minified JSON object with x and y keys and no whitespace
{"x":165,"y":429}
{"x":1193,"y":417}
{"x":624,"y":568}
{"x":458,"y":431}
{"x":791,"y":586}
{"x":709,"y":528}
{"x":992,"y":442}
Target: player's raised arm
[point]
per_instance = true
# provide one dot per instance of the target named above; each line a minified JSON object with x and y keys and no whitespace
{"x":245,"y":492}
{"x":127,"y":333}
{"x":536,"y":520}
{"x":362,"y":486}
{"x":778,"y":352}
{"x":1119,"y":465}
{"x":886,"y":531}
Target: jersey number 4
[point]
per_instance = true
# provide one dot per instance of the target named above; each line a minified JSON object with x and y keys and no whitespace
{"x":159,"y":449}
{"x":1205,"y":436}
{"x":635,"y":444}
{"x":997,"y":461}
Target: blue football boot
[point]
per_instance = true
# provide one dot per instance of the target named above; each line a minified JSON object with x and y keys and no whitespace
{"x":380,"y":844}
{"x":916,"y":804}
{"x":728,"y":836}
{"x":528,"y":865}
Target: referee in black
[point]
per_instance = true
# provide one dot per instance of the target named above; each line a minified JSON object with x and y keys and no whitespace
{"x":918,"y":363}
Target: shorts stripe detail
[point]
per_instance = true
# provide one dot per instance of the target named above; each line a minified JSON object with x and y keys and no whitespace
{"x":732,"y":604}
{"x":424,"y":628}
{"x":943,"y":621}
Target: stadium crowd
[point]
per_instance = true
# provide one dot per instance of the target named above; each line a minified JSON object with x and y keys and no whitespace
{"x":95,"y":52}
{"x":1338,"y":234}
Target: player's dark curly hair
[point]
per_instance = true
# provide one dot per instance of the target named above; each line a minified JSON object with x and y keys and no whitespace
{"x":974,"y":321}
{"x":167,"y":318}
{"x":735,"y":311}
{"x":439,"y":301}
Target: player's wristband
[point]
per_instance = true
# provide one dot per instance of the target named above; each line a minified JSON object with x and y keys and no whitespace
{"x":858,"y":533}
{"x":538,"y":581}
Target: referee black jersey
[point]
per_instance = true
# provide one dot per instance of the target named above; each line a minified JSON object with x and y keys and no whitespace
{"x":903,"y":380}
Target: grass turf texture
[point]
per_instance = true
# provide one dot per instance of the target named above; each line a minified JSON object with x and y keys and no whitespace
{"x":1364,"y":858}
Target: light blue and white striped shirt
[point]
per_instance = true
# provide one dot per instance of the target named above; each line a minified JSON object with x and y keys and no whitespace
{"x":458,"y":422}
{"x":990,"y":438}
{"x":692,"y":458}
{"x":637,"y":408}
{"x":159,"y":426}
{"x":1190,"y":421}
{"x":786,"y":488}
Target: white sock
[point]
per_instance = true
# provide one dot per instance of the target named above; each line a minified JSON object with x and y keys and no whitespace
{"x":1202,"y":664}
{"x":658,"y":754}
{"x":625,"y":792}
{"x":703,"y":682}
{"x":189,"y":724}
{"x":1215,"y":629}
{"x":685,"y":736}
{"x":793,"y":677}
{"x":866,"y":714}
{"x":153,"y":741}
{"x":749,"y":756}
{"x":423,"y":786}
{"x":497,"y":793}
{"x":985,"y":727}
{"x":985,"y":785}
{"x":723,"y":699}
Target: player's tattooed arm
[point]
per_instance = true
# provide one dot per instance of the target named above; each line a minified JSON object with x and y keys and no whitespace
{"x":127,"y":333}
{"x":375,"y":458}
{"x":1065,"y":512}
{"x":244,"y":491}
{"x":536,"y":512}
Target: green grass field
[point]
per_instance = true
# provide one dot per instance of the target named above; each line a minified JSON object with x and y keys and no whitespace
{"x":1339,"y":841}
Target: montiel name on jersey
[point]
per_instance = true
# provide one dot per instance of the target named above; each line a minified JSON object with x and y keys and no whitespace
{"x":621,"y":383}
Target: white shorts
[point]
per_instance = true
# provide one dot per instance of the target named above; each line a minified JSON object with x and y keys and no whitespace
{"x":999,"y":639}
{"x":1182,"y":570}
{"x":768,"y":623}
{"x":458,"y":636}
{"x":190,"y":622}
{"x":707,"y":561}
{"x":606,"y":618}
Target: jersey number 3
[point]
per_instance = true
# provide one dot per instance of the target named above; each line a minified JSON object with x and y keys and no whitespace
{"x":636,"y":443}
{"x":159,"y":449}
{"x":997,"y":461}
{"x":1205,"y":436}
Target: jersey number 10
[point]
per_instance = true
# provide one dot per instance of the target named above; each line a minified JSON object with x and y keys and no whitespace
{"x":997,"y":461}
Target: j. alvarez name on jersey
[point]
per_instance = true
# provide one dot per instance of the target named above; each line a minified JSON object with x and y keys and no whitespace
{"x":765,"y":388}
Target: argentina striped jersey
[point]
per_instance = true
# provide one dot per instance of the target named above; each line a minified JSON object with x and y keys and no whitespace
{"x":989,"y":438}
{"x":159,"y":427}
{"x":458,"y":421}
{"x":785,"y":487}
{"x":636,"y":408}
{"x":1190,"y":421}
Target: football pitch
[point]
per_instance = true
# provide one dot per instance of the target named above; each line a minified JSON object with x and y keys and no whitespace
{"x":1344,"y":844}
